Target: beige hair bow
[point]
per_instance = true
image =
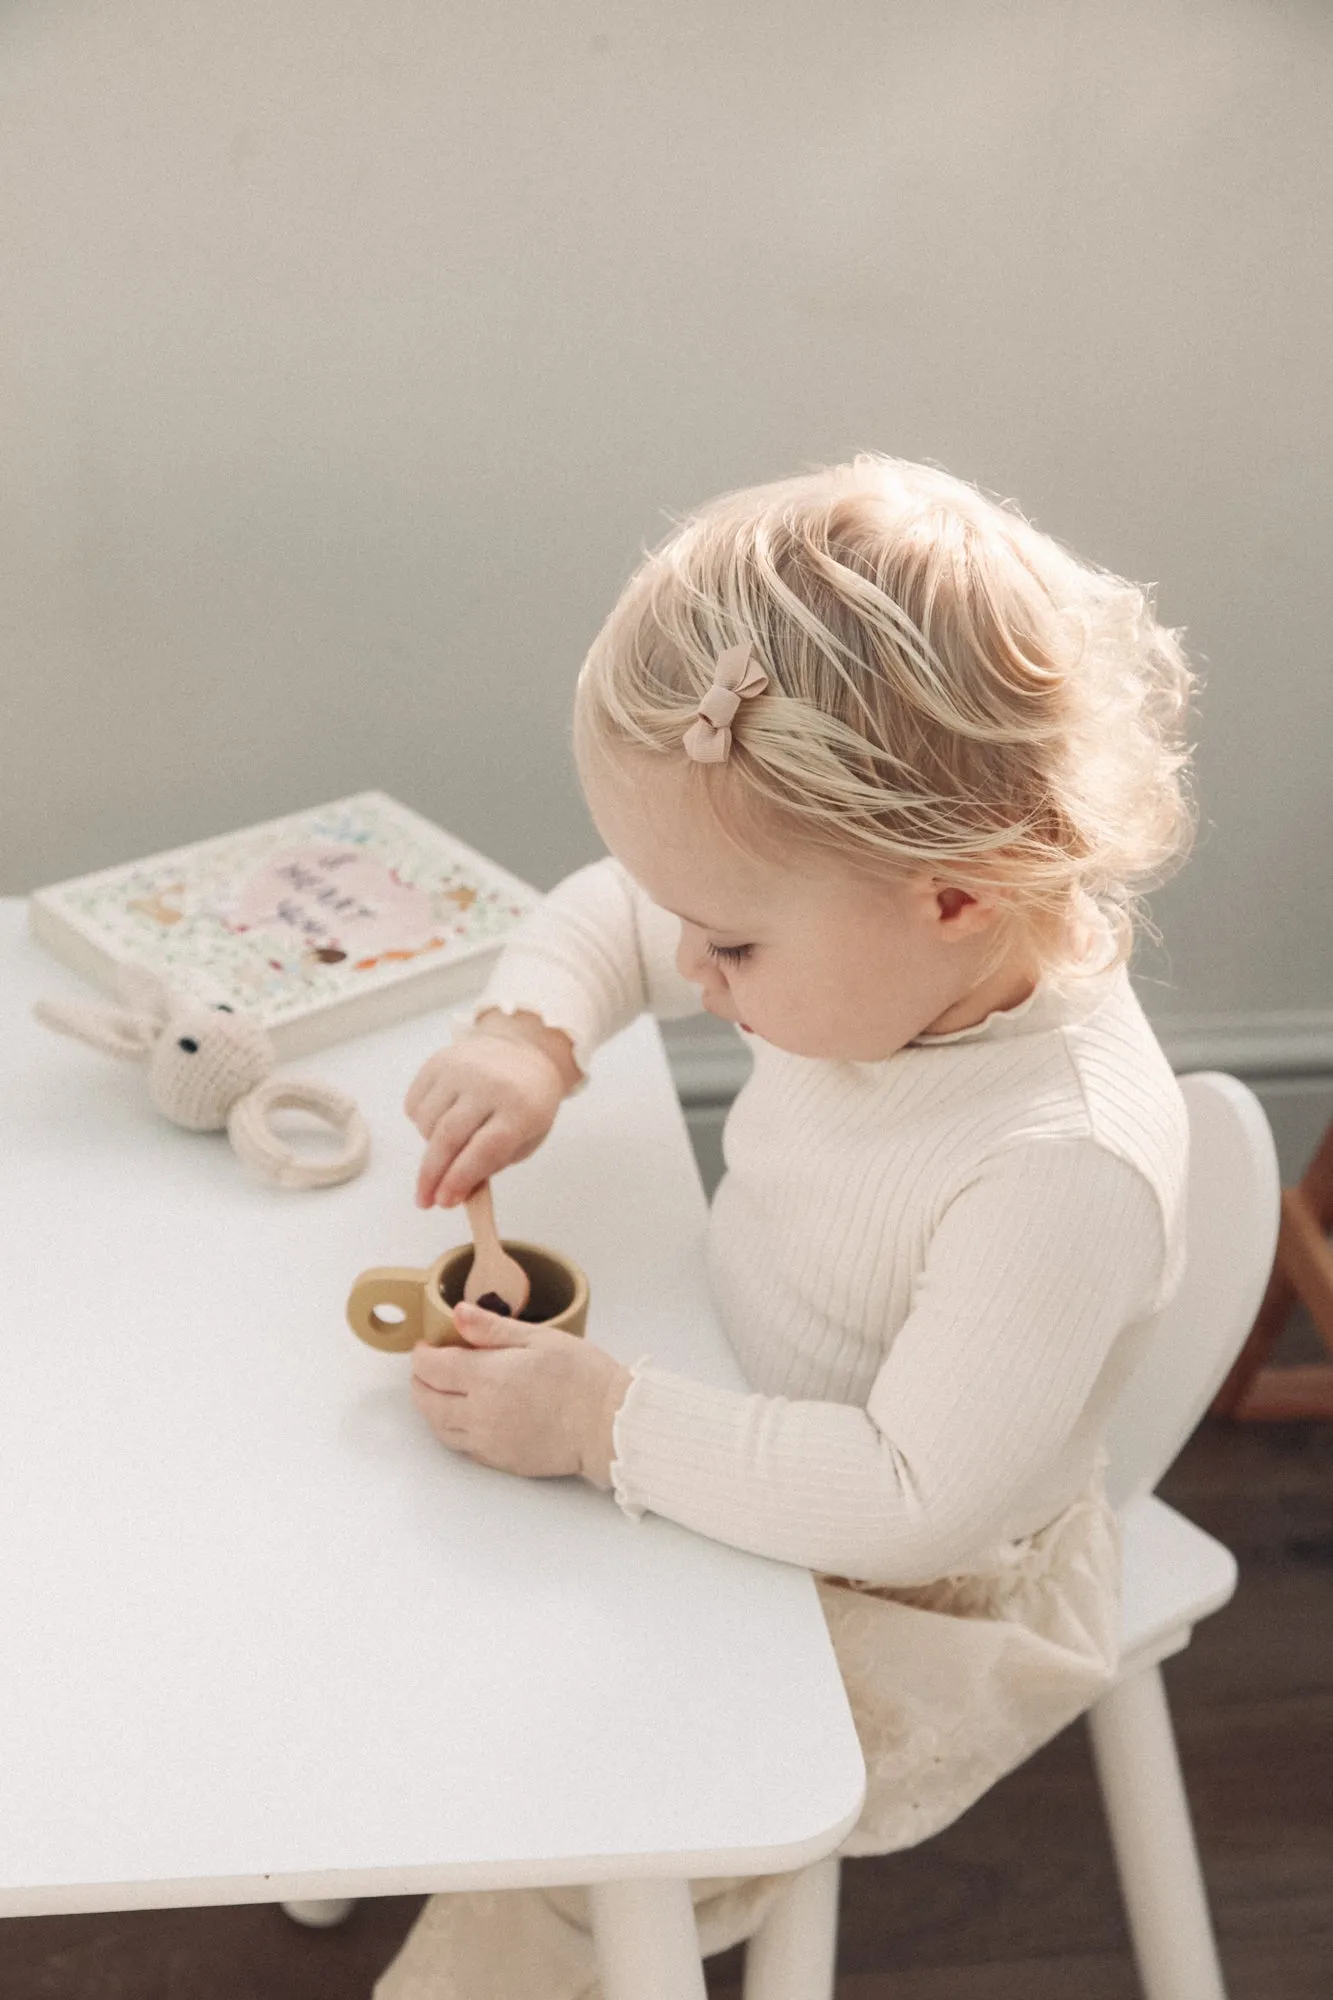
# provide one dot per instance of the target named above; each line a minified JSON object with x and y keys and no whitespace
{"x":735,"y":678}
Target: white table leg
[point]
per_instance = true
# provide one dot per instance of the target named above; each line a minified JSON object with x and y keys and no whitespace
{"x":647,"y":1941}
{"x":320,"y":1916}
{"x":792,"y":1954}
{"x":1134,"y":1748}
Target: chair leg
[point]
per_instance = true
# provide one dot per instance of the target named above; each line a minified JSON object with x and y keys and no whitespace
{"x":1134,"y":1748}
{"x":647,"y":1940}
{"x":320,"y":1916}
{"x":791,"y":1956}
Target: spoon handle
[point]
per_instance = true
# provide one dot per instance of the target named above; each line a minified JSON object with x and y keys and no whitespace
{"x":481,"y":1221}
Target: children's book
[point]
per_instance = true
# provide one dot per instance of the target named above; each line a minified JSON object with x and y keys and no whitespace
{"x":326,"y":924}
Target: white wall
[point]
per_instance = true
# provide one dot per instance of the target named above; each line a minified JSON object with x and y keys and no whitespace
{"x":350,"y":351}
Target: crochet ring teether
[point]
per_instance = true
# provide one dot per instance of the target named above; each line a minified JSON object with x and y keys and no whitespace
{"x":254,"y":1138}
{"x":211,"y":1068}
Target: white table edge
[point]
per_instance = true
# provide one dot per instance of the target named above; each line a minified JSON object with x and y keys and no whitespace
{"x":70,"y":1893}
{"x":75,"y":1899}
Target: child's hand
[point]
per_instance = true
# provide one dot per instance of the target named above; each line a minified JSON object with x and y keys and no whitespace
{"x":484,"y":1103}
{"x":526,"y":1399}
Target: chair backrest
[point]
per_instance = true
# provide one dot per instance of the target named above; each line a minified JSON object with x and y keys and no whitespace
{"x":1232,"y":1205}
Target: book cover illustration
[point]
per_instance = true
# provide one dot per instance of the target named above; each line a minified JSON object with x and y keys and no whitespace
{"x":297,"y":914}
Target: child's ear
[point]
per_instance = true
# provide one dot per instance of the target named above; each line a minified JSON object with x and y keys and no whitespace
{"x":962,"y":913}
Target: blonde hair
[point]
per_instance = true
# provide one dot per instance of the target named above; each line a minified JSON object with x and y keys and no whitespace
{"x":948,"y":689}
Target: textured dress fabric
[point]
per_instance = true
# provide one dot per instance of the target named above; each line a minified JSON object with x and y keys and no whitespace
{"x":936,"y":1271}
{"x":951,"y":1685}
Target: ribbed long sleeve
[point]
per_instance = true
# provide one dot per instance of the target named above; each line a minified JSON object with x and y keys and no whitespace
{"x":592,"y":955}
{"x":1029,"y":1279}
{"x":934,"y":1269}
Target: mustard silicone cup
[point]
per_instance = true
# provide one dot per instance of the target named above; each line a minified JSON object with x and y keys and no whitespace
{"x":425,"y":1298}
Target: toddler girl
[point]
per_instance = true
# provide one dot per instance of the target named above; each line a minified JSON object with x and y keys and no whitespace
{"x":880,"y":769}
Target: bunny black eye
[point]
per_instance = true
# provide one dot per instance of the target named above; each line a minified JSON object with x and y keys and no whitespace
{"x":190,"y":1046}
{"x":223,"y":1008}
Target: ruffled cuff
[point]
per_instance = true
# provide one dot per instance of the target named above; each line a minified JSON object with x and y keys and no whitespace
{"x":677,"y":1443}
{"x":619,"y":1470}
{"x":568,"y":1012}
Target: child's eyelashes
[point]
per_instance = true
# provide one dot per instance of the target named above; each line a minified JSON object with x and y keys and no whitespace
{"x":730,"y":954}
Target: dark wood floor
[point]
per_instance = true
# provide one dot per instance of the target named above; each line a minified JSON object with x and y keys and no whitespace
{"x":1018,"y":1901}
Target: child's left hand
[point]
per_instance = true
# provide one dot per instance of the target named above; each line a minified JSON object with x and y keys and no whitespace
{"x":526,"y":1399}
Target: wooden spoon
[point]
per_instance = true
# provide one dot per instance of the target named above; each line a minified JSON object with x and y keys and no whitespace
{"x":496,"y":1280}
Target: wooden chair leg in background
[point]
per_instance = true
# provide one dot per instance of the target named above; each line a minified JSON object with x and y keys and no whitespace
{"x":1254,"y":1391}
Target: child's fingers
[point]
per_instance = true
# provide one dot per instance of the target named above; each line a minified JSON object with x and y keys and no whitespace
{"x":432,"y":1103}
{"x":426,"y":1080}
{"x":481,"y":1328}
{"x":446,"y":1370}
{"x":442,"y":1414}
{"x":490,"y":1148}
{"x":450,"y":1134}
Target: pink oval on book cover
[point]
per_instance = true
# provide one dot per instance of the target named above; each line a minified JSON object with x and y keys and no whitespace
{"x":329,"y":894}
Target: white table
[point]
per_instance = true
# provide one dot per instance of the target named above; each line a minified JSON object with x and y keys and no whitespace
{"x":263,"y":1638}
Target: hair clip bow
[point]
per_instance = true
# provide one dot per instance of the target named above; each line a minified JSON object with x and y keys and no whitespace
{"x":736,"y":677}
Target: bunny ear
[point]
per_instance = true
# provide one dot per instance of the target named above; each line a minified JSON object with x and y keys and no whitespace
{"x":144,"y":991}
{"x":114,"y":1030}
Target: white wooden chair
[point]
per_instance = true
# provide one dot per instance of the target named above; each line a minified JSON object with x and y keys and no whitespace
{"x":1174,"y":1575}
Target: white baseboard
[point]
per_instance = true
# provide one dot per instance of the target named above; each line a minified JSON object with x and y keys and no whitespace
{"x":709,"y":1059}
{"x":1286,"y":1058}
{"x":710,"y":1062}
{"x":1295,"y":1043}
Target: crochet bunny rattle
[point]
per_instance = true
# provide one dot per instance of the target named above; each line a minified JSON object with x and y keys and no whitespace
{"x":209,"y":1067}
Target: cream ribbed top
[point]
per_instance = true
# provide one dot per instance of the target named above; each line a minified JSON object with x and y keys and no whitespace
{"x":935,"y":1270}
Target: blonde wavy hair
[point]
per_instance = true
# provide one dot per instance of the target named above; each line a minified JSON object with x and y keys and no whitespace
{"x":948,"y":688}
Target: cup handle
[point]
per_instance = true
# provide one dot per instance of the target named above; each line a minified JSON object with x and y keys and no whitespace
{"x":391,"y":1285}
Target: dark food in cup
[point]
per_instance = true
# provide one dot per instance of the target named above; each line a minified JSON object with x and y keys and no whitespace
{"x":491,"y":1302}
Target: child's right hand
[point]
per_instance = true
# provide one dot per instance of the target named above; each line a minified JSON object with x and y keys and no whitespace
{"x":486,"y":1102}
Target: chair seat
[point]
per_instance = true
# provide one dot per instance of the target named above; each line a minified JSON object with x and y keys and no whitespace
{"x":1174,"y":1574}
